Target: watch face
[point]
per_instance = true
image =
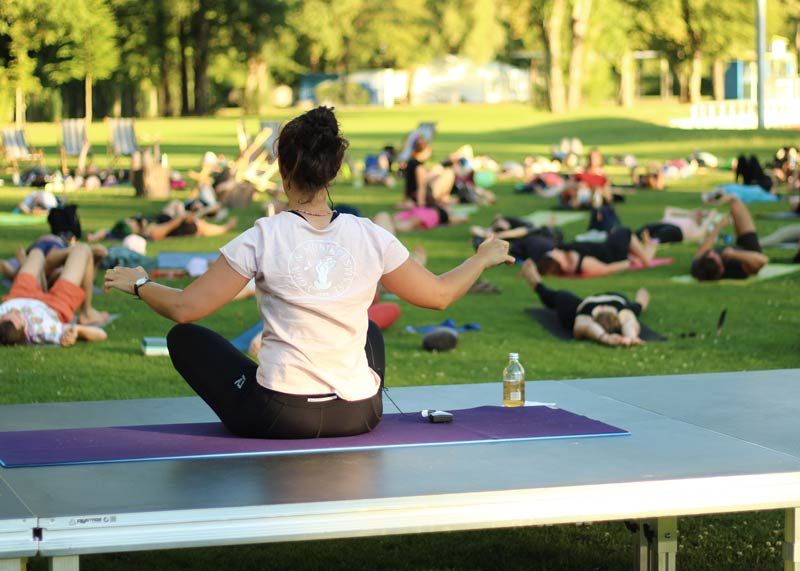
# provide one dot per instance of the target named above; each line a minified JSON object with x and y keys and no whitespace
{"x":141,"y":281}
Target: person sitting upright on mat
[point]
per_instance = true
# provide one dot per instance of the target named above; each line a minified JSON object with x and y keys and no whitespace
{"x":29,"y":314}
{"x":608,"y":318}
{"x":320,"y":368}
{"x":730,"y":262}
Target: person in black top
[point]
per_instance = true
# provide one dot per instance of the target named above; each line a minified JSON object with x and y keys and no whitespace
{"x":423,"y":186}
{"x":730,"y":262}
{"x":598,"y":258}
{"x":608,"y":318}
{"x":527,"y":241}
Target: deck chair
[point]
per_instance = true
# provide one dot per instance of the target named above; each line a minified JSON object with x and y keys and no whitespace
{"x":74,"y":143}
{"x":16,"y":150}
{"x":256,"y":163}
{"x":122,"y":138}
{"x":425,"y":129}
{"x":269,"y":144}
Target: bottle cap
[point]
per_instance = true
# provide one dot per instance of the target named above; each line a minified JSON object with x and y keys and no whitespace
{"x":513,"y":355}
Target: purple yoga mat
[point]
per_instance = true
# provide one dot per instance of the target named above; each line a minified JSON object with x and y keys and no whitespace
{"x":210,"y":439}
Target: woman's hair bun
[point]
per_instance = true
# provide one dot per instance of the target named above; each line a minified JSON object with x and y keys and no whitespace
{"x":323,"y":119}
{"x":311,"y":150}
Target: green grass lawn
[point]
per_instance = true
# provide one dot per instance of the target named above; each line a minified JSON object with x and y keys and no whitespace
{"x":760,"y":332}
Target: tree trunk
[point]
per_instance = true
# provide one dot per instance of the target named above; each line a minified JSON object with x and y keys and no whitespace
{"x":165,"y":96}
{"x":533,"y":81}
{"x":183,"y":39}
{"x":151,"y":91}
{"x":412,"y":76}
{"x":551,"y":33}
{"x":19,"y":107}
{"x":719,"y":80}
{"x":200,"y":33}
{"x":262,"y":82}
{"x":665,"y":79}
{"x":580,"y":24}
{"x":116,"y":107}
{"x":696,"y":77}
{"x":627,"y":80}
{"x":88,"y":102}
{"x":683,"y":85}
{"x":250,"y":103}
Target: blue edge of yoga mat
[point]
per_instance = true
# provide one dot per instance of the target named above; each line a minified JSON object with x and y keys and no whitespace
{"x":61,"y":447}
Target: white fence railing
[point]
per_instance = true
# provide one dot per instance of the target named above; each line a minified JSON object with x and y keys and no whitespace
{"x":740,"y":114}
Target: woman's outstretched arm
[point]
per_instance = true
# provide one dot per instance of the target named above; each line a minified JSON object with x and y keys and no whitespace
{"x":204,"y":296}
{"x":415,"y":284}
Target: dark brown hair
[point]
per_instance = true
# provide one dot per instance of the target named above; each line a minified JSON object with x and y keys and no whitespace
{"x":549,"y":266}
{"x":705,"y":268}
{"x":609,"y":320}
{"x":311,"y":150}
{"x":11,"y":335}
{"x":420,"y":144}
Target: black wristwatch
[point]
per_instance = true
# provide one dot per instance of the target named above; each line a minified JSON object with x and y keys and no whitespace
{"x":139,"y":283}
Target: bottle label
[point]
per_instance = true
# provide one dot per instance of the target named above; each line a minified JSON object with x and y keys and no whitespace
{"x":516,"y":395}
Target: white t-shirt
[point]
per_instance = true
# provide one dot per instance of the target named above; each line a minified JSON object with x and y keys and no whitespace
{"x":315,"y":287}
{"x":44,"y":326}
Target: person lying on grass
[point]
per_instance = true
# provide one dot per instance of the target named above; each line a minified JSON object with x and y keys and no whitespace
{"x":589,"y":259}
{"x":321,"y":364}
{"x":680,"y":225}
{"x":49,"y":244}
{"x":730,"y":262}
{"x":608,"y":318}
{"x":527,"y":240}
{"x":174,"y":220}
{"x":31,"y":314}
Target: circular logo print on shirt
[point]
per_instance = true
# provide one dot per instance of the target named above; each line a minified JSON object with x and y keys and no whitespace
{"x":322,"y":269}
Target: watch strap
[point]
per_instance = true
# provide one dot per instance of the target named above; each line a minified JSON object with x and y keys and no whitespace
{"x":137,"y":285}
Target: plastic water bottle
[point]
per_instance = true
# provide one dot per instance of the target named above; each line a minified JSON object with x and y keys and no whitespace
{"x":513,"y":382}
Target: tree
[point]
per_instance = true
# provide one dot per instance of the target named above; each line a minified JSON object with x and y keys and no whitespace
{"x":580,"y":25}
{"x":689,"y":30}
{"x":90,"y":50}
{"x":29,"y":25}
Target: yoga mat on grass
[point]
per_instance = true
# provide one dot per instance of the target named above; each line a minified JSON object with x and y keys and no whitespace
{"x":210,"y":439}
{"x":634,"y":267}
{"x":242,"y":342}
{"x":555,"y":218}
{"x":9,"y":219}
{"x":464,"y":209}
{"x":767,"y":273}
{"x":549,"y":320}
{"x":181,"y":259}
{"x":781,"y":215}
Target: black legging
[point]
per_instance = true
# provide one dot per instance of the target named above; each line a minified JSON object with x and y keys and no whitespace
{"x":564,"y":302}
{"x":226,"y":380}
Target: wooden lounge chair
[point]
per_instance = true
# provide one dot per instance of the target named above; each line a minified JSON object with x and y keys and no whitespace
{"x":74,"y":143}
{"x":269,"y":144}
{"x":16,"y":150}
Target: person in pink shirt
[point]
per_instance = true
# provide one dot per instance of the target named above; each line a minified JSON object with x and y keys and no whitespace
{"x":321,"y":363}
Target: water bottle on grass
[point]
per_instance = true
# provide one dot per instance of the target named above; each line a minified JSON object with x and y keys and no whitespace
{"x":513,"y":382}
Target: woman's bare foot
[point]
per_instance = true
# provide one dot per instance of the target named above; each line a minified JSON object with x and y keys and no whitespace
{"x":530,"y":273}
{"x":6,"y":270}
{"x":91,"y":316}
{"x":643,"y":298}
{"x":478,"y":231}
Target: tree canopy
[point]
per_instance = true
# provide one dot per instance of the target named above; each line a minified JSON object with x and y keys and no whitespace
{"x":194,"y":56}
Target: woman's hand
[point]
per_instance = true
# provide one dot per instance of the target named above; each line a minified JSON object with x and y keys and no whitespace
{"x":494,"y":251}
{"x":123,"y":279}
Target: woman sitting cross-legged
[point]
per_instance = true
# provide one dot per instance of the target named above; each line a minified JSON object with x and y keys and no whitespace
{"x":321,"y":364}
{"x":609,"y":318}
